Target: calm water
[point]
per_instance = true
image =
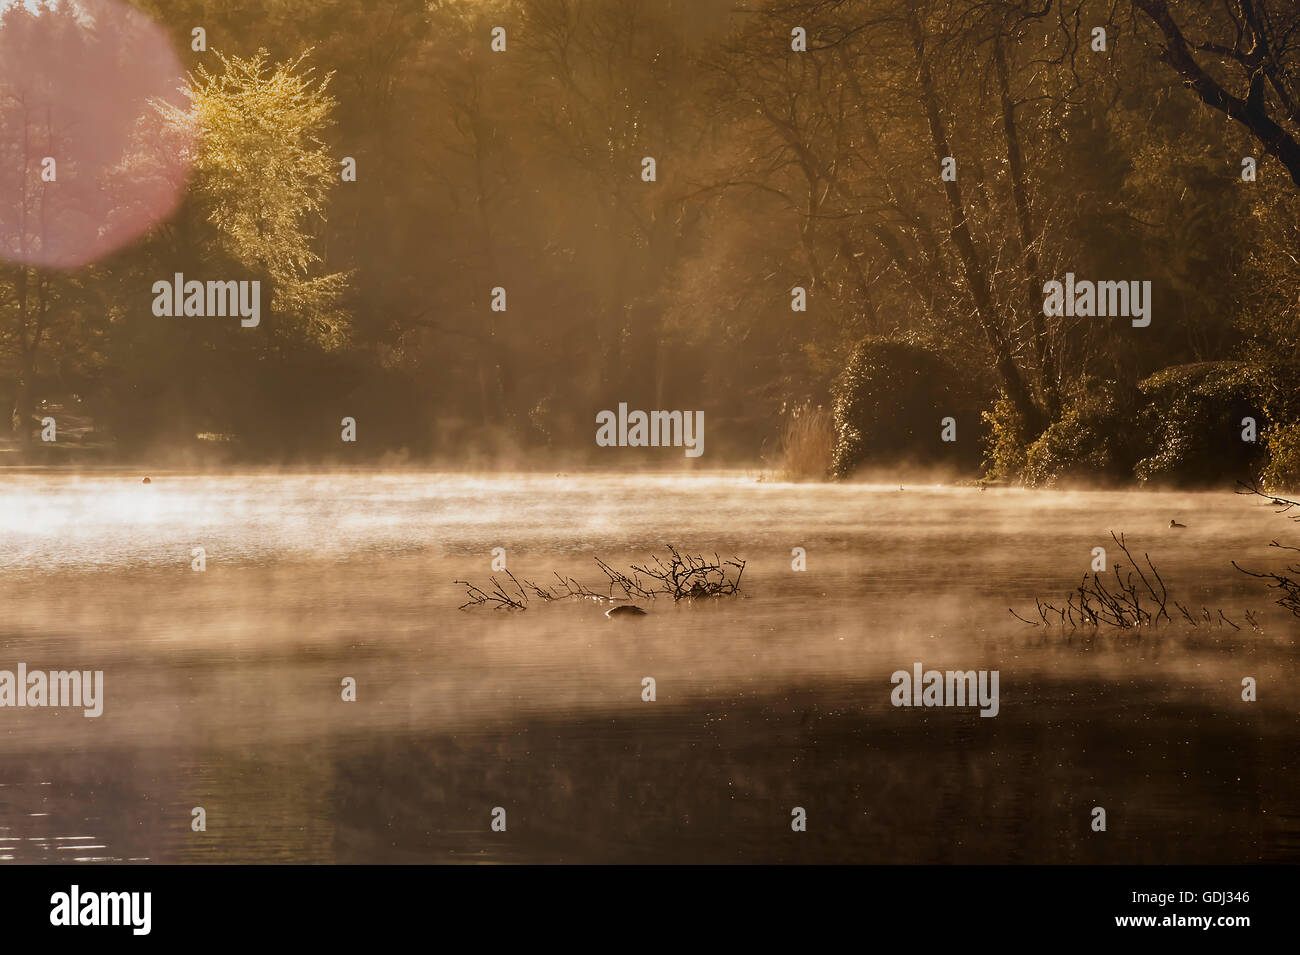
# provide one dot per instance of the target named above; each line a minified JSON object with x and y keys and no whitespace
{"x":222,"y":688}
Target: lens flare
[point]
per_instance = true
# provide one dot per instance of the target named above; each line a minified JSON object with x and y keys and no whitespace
{"x":87,"y":161}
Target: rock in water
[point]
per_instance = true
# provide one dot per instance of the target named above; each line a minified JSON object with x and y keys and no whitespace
{"x":625,"y":610}
{"x":146,"y":481}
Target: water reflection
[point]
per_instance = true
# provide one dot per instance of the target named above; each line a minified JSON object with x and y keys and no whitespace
{"x":223,"y":688}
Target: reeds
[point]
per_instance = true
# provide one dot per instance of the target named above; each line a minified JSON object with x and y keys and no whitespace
{"x":807,"y":442}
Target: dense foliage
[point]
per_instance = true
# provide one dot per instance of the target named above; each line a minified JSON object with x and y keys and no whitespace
{"x":777,"y":168}
{"x":889,"y":405}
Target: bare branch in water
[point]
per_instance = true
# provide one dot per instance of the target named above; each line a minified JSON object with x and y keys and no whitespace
{"x":497,"y":599}
{"x":1287,"y":580}
{"x":1283,"y":504}
{"x":1136,"y":597}
{"x":680,"y":576}
{"x":686,"y":577}
{"x":1284,"y":582}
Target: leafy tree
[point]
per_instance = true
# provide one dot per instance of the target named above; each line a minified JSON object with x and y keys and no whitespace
{"x":264,"y":176}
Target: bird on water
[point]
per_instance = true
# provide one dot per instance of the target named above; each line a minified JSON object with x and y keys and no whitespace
{"x":1173,"y":523}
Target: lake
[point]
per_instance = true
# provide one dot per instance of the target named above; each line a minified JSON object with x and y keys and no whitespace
{"x":223,"y":688}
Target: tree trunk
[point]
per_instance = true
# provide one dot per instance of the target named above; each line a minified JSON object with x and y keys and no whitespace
{"x":1250,"y":112}
{"x":1013,"y":383}
{"x":21,"y":420}
{"x":1020,"y":196}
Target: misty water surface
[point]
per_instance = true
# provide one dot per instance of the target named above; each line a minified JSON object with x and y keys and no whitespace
{"x":223,"y":688}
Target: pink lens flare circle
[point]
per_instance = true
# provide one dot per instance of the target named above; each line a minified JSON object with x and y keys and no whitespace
{"x":87,"y":161}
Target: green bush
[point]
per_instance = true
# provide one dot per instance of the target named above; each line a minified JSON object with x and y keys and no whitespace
{"x":1194,"y":416}
{"x":1006,"y":448}
{"x":889,"y":401}
{"x":1282,"y":472}
{"x":1182,"y":425}
{"x":1097,"y":436}
{"x":1280,"y":399}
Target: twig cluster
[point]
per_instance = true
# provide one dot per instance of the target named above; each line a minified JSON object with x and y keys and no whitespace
{"x":1282,"y":504}
{"x":1125,"y":602}
{"x":1287,"y":581}
{"x":680,"y":576}
{"x":497,"y":598}
{"x":1196,"y":619}
{"x":684,"y":577}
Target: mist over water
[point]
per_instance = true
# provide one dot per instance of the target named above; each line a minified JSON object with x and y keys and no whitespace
{"x":223,"y":687}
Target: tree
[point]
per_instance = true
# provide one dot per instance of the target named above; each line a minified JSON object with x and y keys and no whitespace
{"x":1249,"y":44}
{"x":264,"y":176}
